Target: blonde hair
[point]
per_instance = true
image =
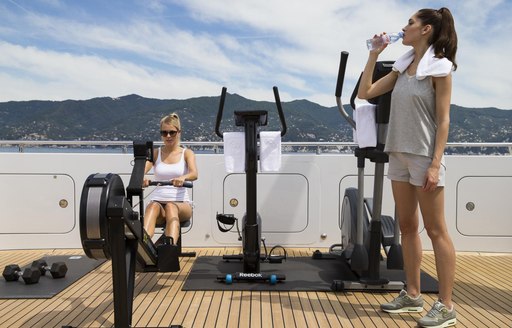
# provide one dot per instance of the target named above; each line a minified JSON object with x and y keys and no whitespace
{"x":172,"y":119}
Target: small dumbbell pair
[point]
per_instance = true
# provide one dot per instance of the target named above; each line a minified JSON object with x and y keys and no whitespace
{"x":57,"y":270}
{"x":13,"y":272}
{"x":31,"y":275}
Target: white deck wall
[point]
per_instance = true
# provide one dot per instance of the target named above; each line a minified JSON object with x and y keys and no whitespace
{"x":300,"y":205}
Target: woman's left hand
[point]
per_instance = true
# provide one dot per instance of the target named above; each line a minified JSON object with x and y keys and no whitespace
{"x":178,"y":182}
{"x":431,"y":179}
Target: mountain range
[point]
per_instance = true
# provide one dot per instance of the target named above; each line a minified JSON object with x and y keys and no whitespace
{"x":134,"y":117}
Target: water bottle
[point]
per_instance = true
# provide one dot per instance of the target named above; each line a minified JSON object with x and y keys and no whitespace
{"x":379,"y":41}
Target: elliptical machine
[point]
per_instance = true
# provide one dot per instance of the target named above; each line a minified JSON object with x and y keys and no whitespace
{"x":251,"y":222}
{"x":364,"y":229}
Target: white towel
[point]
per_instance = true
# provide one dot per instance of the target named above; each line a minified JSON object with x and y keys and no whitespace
{"x":234,"y":152}
{"x":270,"y":151}
{"x":429,"y":65}
{"x":365,"y":134}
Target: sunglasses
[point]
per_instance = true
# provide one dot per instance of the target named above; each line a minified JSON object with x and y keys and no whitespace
{"x":172,"y":133}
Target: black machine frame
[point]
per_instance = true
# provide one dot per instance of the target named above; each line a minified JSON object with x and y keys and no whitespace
{"x":251,"y":223}
{"x":111,"y":229}
{"x":367,"y":229}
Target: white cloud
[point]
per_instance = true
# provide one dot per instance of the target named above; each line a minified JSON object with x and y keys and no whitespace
{"x":56,"y":76}
{"x":249,"y":46}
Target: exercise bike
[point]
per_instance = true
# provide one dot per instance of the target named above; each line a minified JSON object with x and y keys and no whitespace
{"x":111,"y":229}
{"x":251,"y":222}
{"x":364,"y":230}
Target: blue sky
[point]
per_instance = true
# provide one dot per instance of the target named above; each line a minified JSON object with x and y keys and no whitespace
{"x":170,"y":49}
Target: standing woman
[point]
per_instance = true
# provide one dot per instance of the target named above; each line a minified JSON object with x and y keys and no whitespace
{"x":170,"y":204}
{"x":421,"y":81}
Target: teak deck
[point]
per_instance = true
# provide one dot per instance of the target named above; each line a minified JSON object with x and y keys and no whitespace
{"x":483,"y":296}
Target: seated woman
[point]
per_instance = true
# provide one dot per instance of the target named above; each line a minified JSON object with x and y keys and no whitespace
{"x":172,"y":162}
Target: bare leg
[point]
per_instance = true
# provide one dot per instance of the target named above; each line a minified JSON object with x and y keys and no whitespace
{"x":432,"y":210}
{"x":154,"y":211}
{"x":174,"y":214}
{"x":407,"y":210}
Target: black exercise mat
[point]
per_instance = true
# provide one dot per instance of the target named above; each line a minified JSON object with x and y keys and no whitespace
{"x":302,"y":274}
{"x":47,"y":287}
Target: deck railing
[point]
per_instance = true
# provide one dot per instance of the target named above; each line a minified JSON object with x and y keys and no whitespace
{"x":475,"y":148}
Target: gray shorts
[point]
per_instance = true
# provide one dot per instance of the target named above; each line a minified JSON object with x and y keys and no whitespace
{"x":412,"y":168}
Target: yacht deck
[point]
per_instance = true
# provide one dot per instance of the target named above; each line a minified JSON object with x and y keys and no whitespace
{"x":483,"y":295}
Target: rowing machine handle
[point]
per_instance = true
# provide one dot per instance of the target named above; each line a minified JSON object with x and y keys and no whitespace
{"x":186,"y":184}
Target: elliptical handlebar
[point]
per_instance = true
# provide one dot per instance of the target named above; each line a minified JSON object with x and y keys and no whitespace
{"x":280,"y":111}
{"x":221,"y":110}
{"x":186,"y":184}
{"x":341,"y":73}
{"x":339,"y":87}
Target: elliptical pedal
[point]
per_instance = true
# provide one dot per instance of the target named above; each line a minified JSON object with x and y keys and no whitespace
{"x":388,"y":230}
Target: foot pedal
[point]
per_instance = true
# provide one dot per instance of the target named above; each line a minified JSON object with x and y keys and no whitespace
{"x":388,"y":230}
{"x":168,"y":258}
{"x":226,"y":218}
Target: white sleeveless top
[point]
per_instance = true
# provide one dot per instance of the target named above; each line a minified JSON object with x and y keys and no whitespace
{"x":166,"y":172}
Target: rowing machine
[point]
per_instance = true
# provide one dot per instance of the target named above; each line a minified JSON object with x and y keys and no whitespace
{"x":111,"y":229}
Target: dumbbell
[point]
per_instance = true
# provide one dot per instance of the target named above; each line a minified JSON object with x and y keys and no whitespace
{"x":13,"y":272}
{"x":57,"y":270}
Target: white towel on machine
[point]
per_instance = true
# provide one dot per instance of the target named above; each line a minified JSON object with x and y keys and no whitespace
{"x":429,"y":65}
{"x":234,"y":152}
{"x":270,"y":151}
{"x":365,"y":134}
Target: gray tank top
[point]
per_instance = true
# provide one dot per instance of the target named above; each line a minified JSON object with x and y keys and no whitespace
{"x":412,"y":122}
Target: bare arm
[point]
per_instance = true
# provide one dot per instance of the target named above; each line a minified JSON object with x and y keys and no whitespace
{"x":190,"y":159}
{"x":443,"y":87}
{"x":148,"y":167}
{"x":367,"y":88}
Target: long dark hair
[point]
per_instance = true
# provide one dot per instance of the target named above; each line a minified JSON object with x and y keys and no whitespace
{"x":444,"y":37}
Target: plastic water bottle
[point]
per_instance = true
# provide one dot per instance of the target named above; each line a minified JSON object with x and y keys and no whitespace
{"x":379,"y":41}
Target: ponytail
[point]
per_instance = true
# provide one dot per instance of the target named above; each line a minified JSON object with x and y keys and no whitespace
{"x":444,"y":37}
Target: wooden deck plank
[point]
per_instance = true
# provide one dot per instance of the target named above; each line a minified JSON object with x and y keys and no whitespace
{"x":213,"y":313}
{"x":298,"y":314}
{"x":345,"y":314}
{"x":244,"y":320}
{"x":307,"y":310}
{"x":485,"y":298}
{"x":266,"y":310}
{"x":326,"y":309}
{"x":234,"y":311}
{"x":276,"y":310}
{"x":193,"y":309}
{"x":255,"y":308}
{"x":317,"y":310}
{"x":225,"y":308}
{"x":72,"y":298}
{"x":181,"y":301}
{"x":204,"y":309}
{"x":482,"y":294}
{"x":171,"y":287}
{"x":286,"y":308}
